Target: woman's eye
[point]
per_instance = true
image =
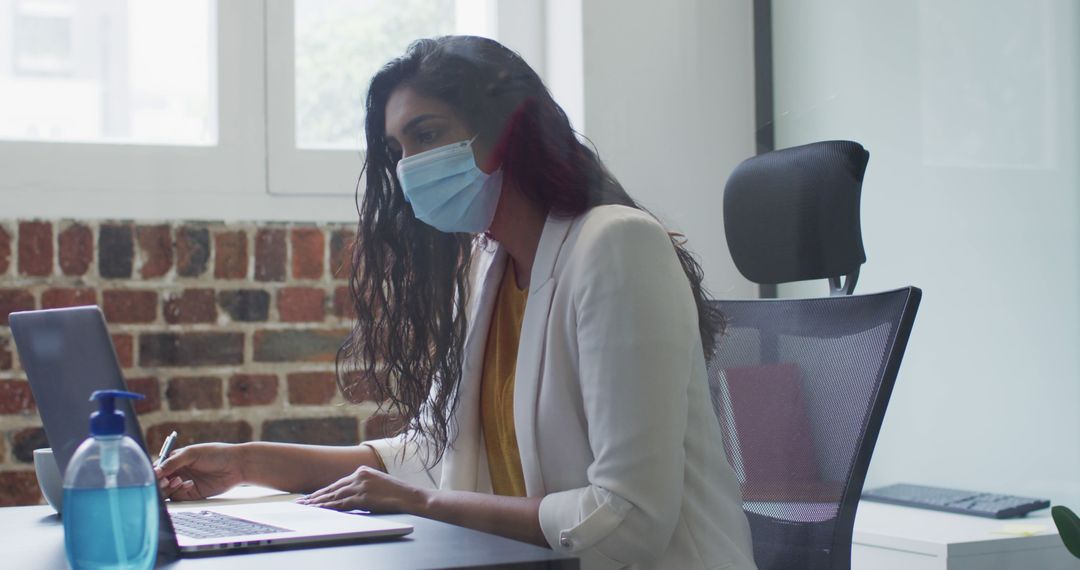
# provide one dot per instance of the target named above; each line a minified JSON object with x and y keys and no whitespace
{"x":427,"y":137}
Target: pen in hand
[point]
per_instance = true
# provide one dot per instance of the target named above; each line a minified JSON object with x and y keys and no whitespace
{"x":166,"y":449}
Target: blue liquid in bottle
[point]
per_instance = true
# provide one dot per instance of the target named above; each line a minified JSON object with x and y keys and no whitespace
{"x":117,"y":527}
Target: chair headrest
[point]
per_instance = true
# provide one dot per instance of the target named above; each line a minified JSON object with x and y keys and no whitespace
{"x":793,"y":214}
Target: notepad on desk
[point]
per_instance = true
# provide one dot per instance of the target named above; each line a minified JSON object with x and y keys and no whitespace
{"x":239,"y":495}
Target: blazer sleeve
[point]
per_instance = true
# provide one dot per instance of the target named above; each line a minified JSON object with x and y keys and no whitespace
{"x":403,"y":459}
{"x":636,"y":333}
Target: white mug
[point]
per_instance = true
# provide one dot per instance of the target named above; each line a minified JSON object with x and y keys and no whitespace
{"x":49,"y":479}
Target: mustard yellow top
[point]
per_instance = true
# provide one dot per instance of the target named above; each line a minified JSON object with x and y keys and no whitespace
{"x":497,"y":387}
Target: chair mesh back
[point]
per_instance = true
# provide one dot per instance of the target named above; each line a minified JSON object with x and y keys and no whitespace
{"x":800,"y":387}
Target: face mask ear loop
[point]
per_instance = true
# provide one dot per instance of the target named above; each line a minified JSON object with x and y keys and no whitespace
{"x":471,"y":141}
{"x":476,"y":136}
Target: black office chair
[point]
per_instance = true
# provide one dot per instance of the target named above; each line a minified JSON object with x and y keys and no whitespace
{"x":801,"y":385}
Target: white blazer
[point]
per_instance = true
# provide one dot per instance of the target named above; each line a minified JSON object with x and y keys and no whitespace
{"x":614,"y":420}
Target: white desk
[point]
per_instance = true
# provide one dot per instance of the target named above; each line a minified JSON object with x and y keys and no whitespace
{"x":889,"y":537}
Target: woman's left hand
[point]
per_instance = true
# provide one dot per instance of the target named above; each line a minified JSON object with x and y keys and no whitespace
{"x":370,"y":490}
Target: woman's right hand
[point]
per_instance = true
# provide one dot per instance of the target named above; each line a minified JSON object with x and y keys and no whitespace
{"x":200,"y":471}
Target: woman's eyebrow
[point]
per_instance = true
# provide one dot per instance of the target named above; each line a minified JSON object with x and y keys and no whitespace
{"x":419,"y":119}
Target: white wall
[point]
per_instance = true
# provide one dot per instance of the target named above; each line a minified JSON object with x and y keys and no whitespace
{"x":669,"y":103}
{"x":969,"y":111}
{"x":564,"y":71}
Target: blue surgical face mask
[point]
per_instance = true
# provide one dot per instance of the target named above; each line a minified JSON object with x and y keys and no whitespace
{"x":447,"y":190}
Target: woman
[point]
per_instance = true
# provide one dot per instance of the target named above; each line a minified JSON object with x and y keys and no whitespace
{"x":545,"y":336}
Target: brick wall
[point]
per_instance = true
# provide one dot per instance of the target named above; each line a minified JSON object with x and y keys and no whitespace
{"x":229,"y":329}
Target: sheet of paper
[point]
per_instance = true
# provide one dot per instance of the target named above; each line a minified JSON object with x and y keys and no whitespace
{"x":1022,"y":529}
{"x":241,"y":494}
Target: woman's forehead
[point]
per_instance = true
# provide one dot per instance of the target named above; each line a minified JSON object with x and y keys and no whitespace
{"x":405,"y":104}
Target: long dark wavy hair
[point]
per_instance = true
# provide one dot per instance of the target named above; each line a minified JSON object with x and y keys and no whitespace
{"x":409,"y":282}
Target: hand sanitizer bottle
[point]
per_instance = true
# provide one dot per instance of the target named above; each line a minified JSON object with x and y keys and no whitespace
{"x":110,"y":495}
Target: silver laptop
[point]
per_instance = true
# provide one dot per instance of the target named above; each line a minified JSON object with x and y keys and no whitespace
{"x":68,"y":354}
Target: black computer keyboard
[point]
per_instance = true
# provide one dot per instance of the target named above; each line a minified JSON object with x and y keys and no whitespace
{"x":956,"y":501}
{"x":208,"y":524}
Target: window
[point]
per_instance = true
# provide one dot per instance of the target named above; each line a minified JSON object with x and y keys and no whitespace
{"x":108,"y":72}
{"x":324,"y":54}
{"x":129,"y":99}
{"x":339,"y":45}
{"x":207,"y":108}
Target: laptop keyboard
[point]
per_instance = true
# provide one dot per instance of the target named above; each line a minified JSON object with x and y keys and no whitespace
{"x":208,"y":524}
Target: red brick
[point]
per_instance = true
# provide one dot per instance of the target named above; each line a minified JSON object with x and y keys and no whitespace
{"x":190,"y":306}
{"x":194,"y":393}
{"x":18,"y":488}
{"x":380,"y":425}
{"x":312,"y":388}
{"x":149,"y":387}
{"x":342,"y":243}
{"x":56,"y":298}
{"x":252,"y":389}
{"x":189,"y":433}
{"x":245,"y":305}
{"x":361,"y":386}
{"x":307,"y":253}
{"x":301,"y":305}
{"x":191,"y":349}
{"x":297,"y":345}
{"x":125,"y":349}
{"x":344,"y":308}
{"x":192,"y":251}
{"x":12,"y":300}
{"x":35,"y":249}
{"x":5,"y":358}
{"x":25,"y":441}
{"x":270,"y":255}
{"x":16,"y":397}
{"x":76,"y":249}
{"x":230,"y":255}
{"x":156,"y":246}
{"x":116,"y":251}
{"x":5,"y":250}
{"x":128,"y":306}
{"x":314,"y":431}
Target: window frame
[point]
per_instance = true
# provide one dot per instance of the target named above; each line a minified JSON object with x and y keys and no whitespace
{"x":292,"y":170}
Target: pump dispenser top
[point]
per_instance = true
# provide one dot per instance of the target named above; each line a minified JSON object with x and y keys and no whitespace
{"x":108,"y":420}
